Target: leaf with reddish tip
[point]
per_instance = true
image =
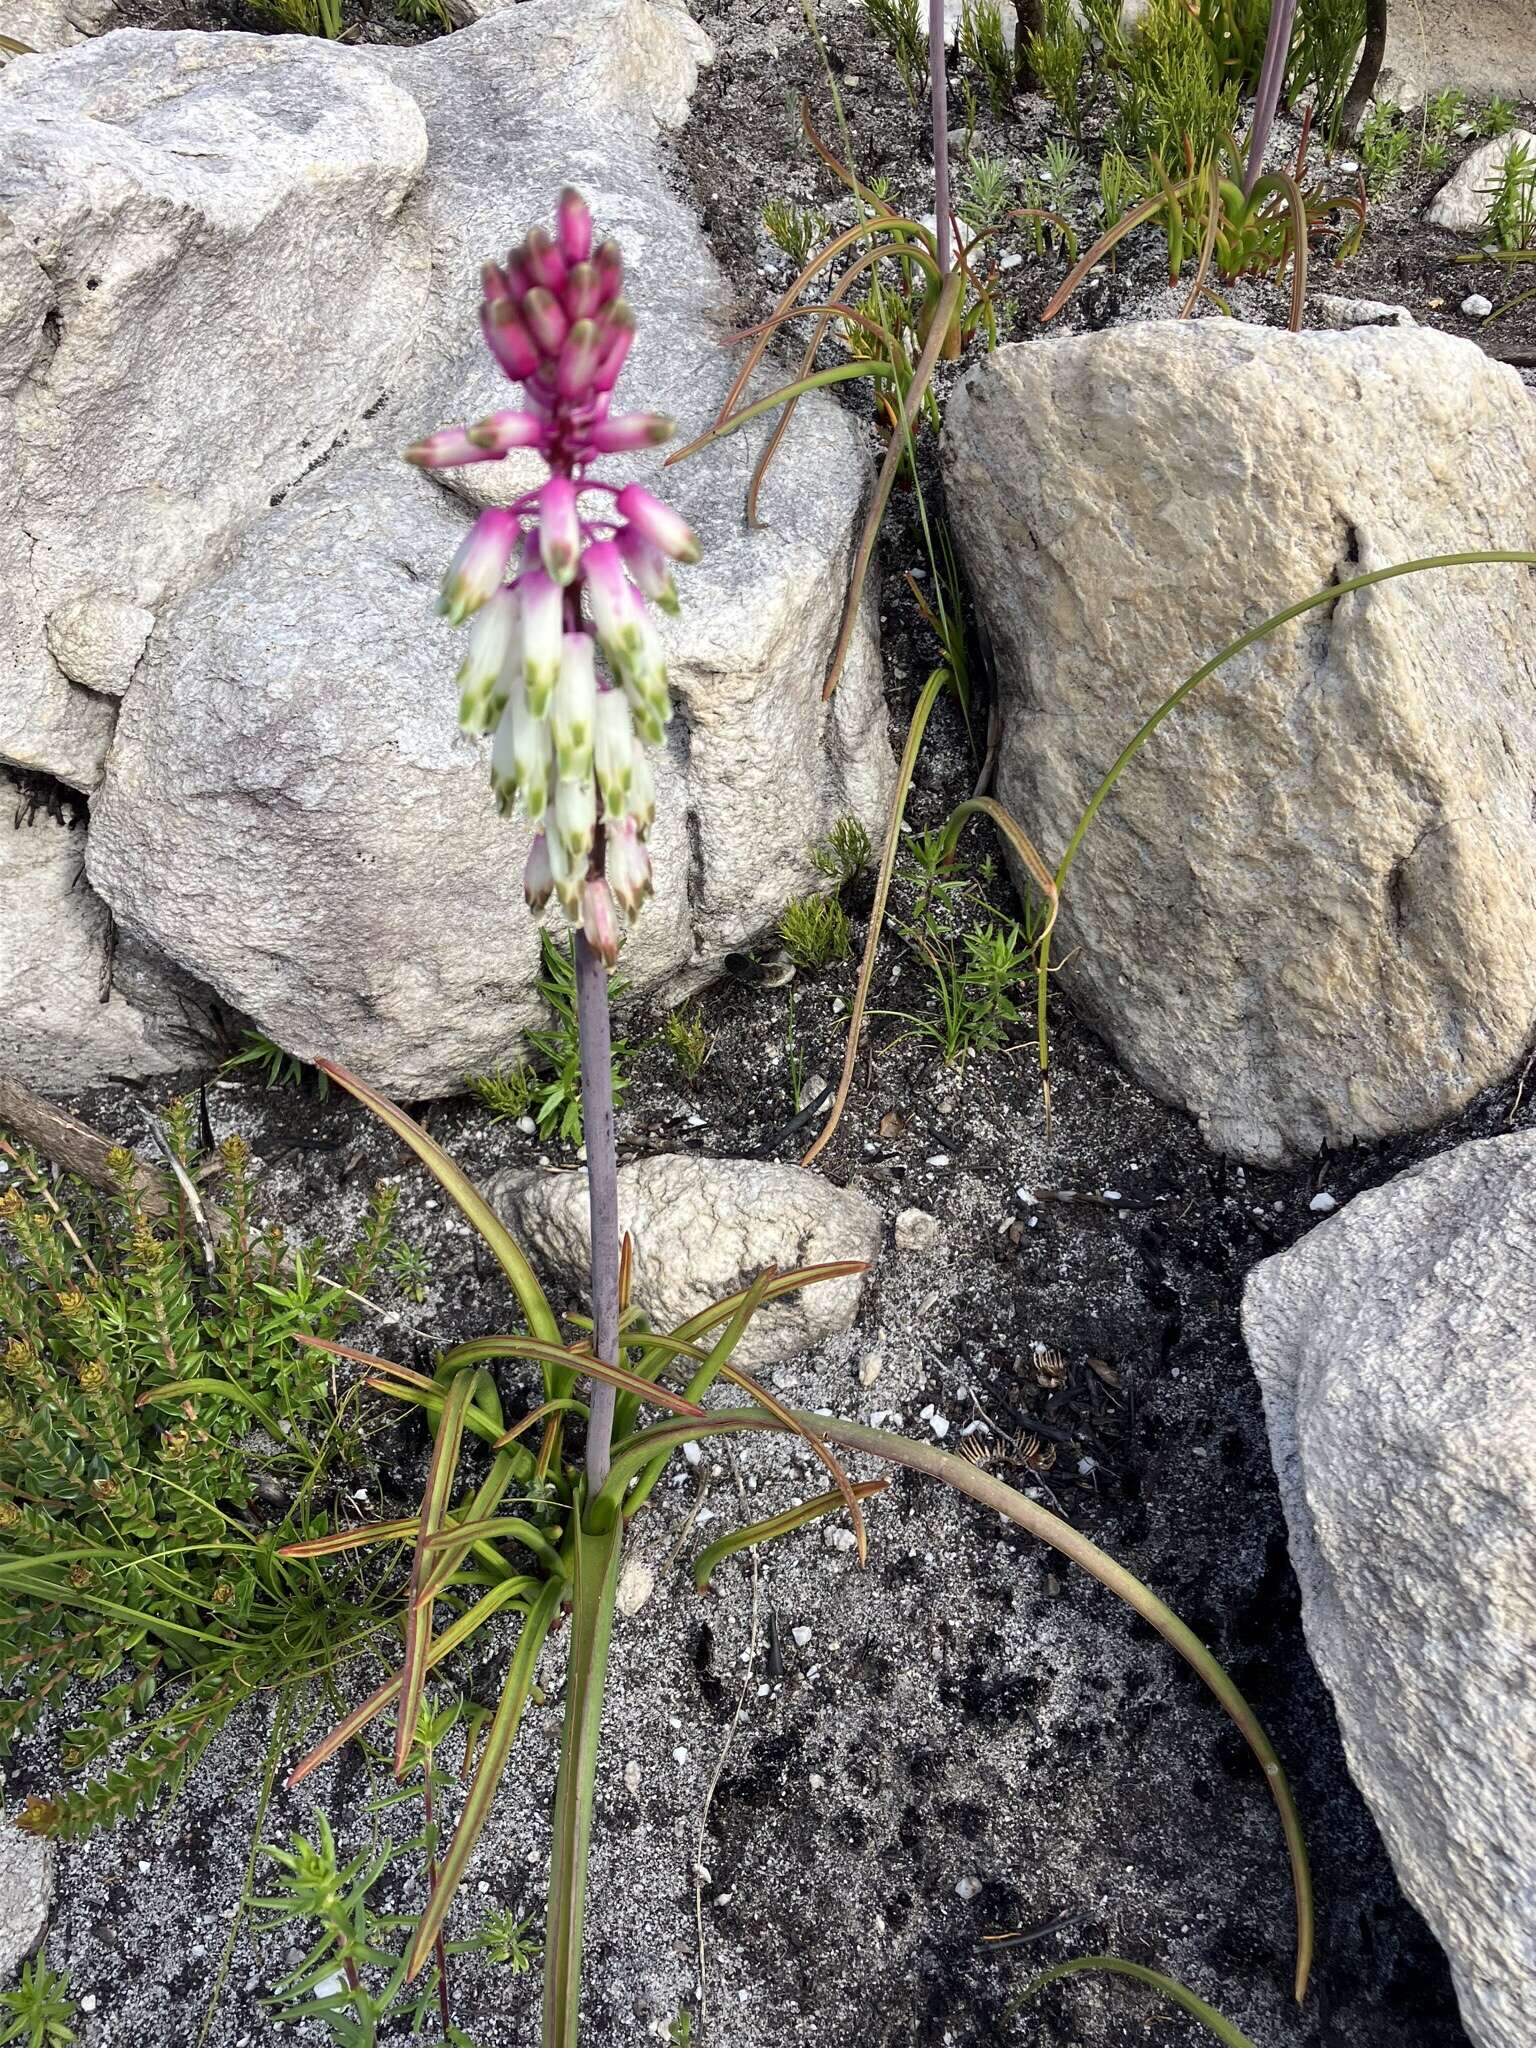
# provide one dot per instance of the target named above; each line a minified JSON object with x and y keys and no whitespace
{"x":441,"y":1473}
{"x":774,"y":1525}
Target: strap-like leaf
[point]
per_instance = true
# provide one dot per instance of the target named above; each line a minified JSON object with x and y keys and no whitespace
{"x":498,"y":1744}
{"x":462,"y":1191}
{"x":772,"y":1526}
{"x":1223,"y":2029}
{"x":441,"y":1474}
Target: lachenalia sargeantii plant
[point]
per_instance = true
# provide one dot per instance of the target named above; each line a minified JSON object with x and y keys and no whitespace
{"x":538,"y":1534}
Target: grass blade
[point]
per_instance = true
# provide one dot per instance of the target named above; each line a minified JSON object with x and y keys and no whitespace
{"x":498,"y":1744}
{"x":594,"y":1587}
{"x":441,"y":1473}
{"x":577,"y":1358}
{"x":771,"y":1526}
{"x":465,"y":1196}
{"x":1207,"y":2015}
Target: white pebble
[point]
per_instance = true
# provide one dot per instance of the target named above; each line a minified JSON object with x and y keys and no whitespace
{"x":1477,"y":307}
{"x":939,"y":1424}
{"x":680,"y":1755}
{"x":870,"y":1367}
{"x":938,"y":1159}
{"x":1322,"y":1202}
{"x":801,"y":1637}
{"x":88,"y":2003}
{"x":967,"y":1888}
{"x":692,"y":1453}
{"x":916,"y":1231}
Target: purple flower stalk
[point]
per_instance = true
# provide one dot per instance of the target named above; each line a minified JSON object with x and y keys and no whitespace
{"x":552,"y":587}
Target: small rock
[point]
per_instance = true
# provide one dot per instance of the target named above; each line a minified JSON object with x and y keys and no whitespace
{"x":632,"y":1778}
{"x":1476,"y":307}
{"x":698,"y":1226}
{"x":1322,"y":1203}
{"x":967,"y":1888}
{"x":1340,"y":313}
{"x":839,"y":1538}
{"x":1461,"y":205}
{"x":637,"y":1582}
{"x":871,"y":1365}
{"x":800,"y":1637}
{"x":26,"y":1893}
{"x":916,"y":1231}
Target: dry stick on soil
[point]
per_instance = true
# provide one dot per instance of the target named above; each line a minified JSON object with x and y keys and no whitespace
{"x":71,"y":1144}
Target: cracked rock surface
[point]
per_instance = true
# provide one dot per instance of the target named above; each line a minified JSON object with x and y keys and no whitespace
{"x":1307,"y":911}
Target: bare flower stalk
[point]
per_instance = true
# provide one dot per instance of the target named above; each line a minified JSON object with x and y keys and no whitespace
{"x":602,"y":1194}
{"x":938,"y":91}
{"x":1277,"y":47}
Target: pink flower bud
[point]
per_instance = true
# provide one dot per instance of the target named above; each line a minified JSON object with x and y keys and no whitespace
{"x":648,"y":566}
{"x":616,"y":609}
{"x":628,"y":866}
{"x":559,"y":529}
{"x":503,"y":431}
{"x":546,"y":320}
{"x":519,"y":278}
{"x":543,"y":624}
{"x":658,"y":523}
{"x":573,"y":221}
{"x":508,"y":339}
{"x":608,"y":262}
{"x":627,"y":431}
{"x":493,"y":282}
{"x":598,"y":921}
{"x":583,"y":294}
{"x":538,"y":874}
{"x":546,"y":265}
{"x":578,"y":359}
{"x":621,"y":333}
{"x":448,"y":448}
{"x":477,"y":569}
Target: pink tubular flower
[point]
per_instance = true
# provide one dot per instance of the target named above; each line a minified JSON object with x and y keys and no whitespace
{"x":554,"y":584}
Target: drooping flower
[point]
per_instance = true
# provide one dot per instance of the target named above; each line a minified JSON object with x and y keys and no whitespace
{"x":552,"y":583}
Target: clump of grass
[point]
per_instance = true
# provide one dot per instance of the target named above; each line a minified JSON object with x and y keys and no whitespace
{"x":506,"y":1091}
{"x":1384,"y":148}
{"x":273,"y":1067}
{"x":1498,"y":116}
{"x":797,"y":230}
{"x":686,"y":1039}
{"x":424,"y":14}
{"x":1055,"y":55}
{"x":814,"y":931}
{"x":1171,"y":93}
{"x":306,"y":17}
{"x":898,"y":24}
{"x":845,"y":852}
{"x":985,"y":48}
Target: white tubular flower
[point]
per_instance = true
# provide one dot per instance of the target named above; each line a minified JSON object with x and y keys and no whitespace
{"x":640,"y":804}
{"x":658,"y":523}
{"x":575,"y":819}
{"x":568,"y":876}
{"x":617,"y":611}
{"x":538,"y":873}
{"x":489,"y":666}
{"x":573,"y":710}
{"x":648,"y":566}
{"x":628,"y":866}
{"x":541,"y":610}
{"x":613,"y":750}
{"x":524,"y":743}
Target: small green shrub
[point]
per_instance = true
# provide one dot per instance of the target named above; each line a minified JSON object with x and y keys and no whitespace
{"x":273,"y":1067}
{"x":41,"y":2011}
{"x":1498,"y":116}
{"x":686,"y":1039}
{"x":797,"y":230}
{"x":155,"y":1407}
{"x":985,"y":186}
{"x":1384,"y":148}
{"x":985,"y":48}
{"x":1511,"y":217}
{"x":814,"y":931}
{"x":899,"y":25}
{"x":1056,"y":55}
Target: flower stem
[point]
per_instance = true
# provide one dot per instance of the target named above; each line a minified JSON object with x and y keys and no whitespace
{"x":938,"y":93}
{"x":603,"y":1193}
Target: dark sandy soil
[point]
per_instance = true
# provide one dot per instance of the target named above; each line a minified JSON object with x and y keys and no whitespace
{"x":965,"y":1714}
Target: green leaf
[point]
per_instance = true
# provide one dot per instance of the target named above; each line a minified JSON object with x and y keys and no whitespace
{"x":771,"y":1526}
{"x":593,"y":1589}
{"x":441,"y":1474}
{"x":498,"y":1745}
{"x":1170,"y":1987}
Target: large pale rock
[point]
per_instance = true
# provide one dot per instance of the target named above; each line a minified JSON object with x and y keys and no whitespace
{"x":1307,"y":911}
{"x":1482,"y":46}
{"x":1396,"y":1352}
{"x":210,"y":274}
{"x":290,"y":813}
{"x":26,"y":1894}
{"x":702,"y":1229}
{"x":1461,"y":205}
{"x":65,"y":1022}
{"x":54,"y":24}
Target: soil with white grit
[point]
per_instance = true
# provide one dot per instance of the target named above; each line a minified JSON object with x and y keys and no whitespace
{"x":971,"y":1739}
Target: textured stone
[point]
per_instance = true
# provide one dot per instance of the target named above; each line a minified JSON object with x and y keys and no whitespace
{"x":290,"y":812}
{"x":210,"y":277}
{"x":1482,"y":46}
{"x":64,"y":1023}
{"x":1396,"y":1353}
{"x":1330,"y":310}
{"x":45,"y":25}
{"x":1461,"y":205}
{"x":26,"y":1894}
{"x":1307,"y":911}
{"x":702,"y":1229}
